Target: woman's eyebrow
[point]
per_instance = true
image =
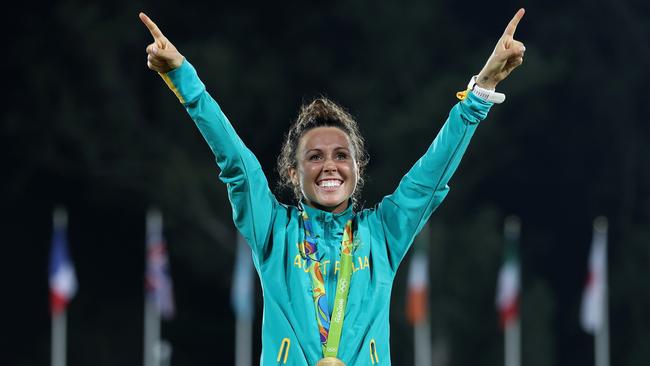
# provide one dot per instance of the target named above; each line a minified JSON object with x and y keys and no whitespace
{"x":318,"y":149}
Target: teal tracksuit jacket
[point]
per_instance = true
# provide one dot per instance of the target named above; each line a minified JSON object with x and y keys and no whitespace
{"x":273,"y":230}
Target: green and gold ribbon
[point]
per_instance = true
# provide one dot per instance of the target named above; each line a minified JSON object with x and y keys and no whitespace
{"x":329,"y":327}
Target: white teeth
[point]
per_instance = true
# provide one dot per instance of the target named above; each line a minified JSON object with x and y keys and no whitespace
{"x":330,"y":183}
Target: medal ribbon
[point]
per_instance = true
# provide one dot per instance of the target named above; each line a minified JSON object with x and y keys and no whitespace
{"x":329,"y":328}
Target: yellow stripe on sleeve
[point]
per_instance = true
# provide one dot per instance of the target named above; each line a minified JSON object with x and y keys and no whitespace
{"x":171,"y":86}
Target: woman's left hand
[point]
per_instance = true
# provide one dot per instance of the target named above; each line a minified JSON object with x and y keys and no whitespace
{"x":507,"y":56}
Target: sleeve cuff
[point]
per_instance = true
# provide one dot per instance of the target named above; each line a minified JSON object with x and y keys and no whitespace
{"x":475,"y":109}
{"x":184,"y":82}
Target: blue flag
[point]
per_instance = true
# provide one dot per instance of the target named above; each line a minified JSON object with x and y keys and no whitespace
{"x":241,"y":290}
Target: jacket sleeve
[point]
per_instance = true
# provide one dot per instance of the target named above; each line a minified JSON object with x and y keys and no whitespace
{"x":253,"y":204}
{"x":404,"y":212}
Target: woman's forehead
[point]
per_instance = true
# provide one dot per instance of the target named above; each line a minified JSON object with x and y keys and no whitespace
{"x":325,"y":138}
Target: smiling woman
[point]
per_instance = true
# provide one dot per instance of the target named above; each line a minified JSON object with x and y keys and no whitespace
{"x":318,"y":115}
{"x":319,"y":307}
{"x":326,"y":170}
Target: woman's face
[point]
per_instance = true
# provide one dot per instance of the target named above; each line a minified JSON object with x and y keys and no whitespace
{"x":327,"y":170}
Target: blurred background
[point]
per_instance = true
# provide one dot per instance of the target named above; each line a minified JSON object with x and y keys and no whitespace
{"x":87,"y":125}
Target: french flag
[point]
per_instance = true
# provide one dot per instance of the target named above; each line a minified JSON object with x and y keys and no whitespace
{"x":62,"y":277}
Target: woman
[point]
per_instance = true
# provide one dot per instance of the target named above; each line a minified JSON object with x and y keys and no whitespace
{"x":327,"y":270}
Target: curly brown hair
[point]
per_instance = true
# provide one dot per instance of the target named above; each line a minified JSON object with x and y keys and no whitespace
{"x":321,"y":112}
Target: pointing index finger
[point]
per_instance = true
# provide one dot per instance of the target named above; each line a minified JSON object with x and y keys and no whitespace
{"x":153,"y":28}
{"x":512,"y":26}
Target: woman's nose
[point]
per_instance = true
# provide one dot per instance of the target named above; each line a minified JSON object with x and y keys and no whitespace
{"x":329,"y":165}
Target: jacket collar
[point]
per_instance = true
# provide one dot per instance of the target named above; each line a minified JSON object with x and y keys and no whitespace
{"x":324,"y":216}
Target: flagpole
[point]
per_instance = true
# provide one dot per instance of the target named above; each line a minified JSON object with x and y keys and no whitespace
{"x":512,"y":343}
{"x":422,"y":331}
{"x":243,"y":281}
{"x":243,"y":337}
{"x":512,"y":334}
{"x":151,"y":315}
{"x":59,"y":321}
{"x":58,"y":339}
{"x":418,"y":277}
{"x":151,"y":332}
{"x":422,"y":342}
{"x":601,"y":339}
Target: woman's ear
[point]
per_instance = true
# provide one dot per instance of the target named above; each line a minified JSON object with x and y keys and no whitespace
{"x":358,"y":171}
{"x":293,"y":175}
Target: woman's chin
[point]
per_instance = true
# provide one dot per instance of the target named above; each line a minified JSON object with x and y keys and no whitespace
{"x":330,"y":205}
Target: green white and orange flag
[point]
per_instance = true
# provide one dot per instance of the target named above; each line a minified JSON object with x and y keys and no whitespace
{"x":507,"y":299}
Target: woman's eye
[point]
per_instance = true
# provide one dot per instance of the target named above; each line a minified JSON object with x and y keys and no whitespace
{"x":342,"y":156}
{"x":314,"y":157}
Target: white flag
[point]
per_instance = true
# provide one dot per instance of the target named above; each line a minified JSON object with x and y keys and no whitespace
{"x":593,"y":297}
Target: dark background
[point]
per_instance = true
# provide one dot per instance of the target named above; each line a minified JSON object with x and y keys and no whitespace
{"x":85,"y":124}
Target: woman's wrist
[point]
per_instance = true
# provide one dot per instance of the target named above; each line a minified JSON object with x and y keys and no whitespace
{"x":489,"y":95}
{"x":486,"y":82}
{"x":176,"y":62}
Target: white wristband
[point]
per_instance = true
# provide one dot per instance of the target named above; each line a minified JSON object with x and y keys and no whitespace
{"x":486,"y":94}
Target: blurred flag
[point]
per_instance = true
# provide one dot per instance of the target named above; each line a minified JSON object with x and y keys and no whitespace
{"x":241,"y":299}
{"x":507,"y":300}
{"x":417,"y":294}
{"x":158,"y":282}
{"x":62,"y":277}
{"x":241,"y":289}
{"x":418,"y":282}
{"x":593,"y":297}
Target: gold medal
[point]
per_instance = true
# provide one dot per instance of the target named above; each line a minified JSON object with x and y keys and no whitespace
{"x":330,"y":361}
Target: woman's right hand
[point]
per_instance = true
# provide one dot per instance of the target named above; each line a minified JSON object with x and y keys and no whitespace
{"x":162,"y":56}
